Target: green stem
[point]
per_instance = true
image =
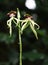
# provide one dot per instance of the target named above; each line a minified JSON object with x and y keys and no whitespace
{"x":20,"y":42}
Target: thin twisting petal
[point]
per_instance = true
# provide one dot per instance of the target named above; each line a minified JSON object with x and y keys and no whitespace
{"x":24,"y":21}
{"x":15,"y":18}
{"x":10,"y":27}
{"x":8,"y":23}
{"x":33,"y":23}
{"x":33,"y":30}
{"x":37,"y":25}
{"x":24,"y":26}
{"x":14,"y":22}
{"x":10,"y":30}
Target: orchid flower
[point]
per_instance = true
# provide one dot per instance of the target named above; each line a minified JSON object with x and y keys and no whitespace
{"x":28,"y":21}
{"x":12,"y":18}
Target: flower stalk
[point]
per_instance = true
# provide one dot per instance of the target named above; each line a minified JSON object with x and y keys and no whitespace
{"x":20,"y":42}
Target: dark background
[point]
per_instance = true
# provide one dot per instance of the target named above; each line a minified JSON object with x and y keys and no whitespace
{"x":35,"y":52}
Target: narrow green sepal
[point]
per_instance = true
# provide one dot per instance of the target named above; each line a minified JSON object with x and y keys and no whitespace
{"x":10,"y":27}
{"x":34,"y":31}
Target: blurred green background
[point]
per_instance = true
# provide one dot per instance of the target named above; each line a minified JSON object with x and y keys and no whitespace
{"x":35,"y":52}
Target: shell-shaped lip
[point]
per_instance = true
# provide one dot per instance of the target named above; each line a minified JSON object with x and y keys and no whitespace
{"x":11,"y":12}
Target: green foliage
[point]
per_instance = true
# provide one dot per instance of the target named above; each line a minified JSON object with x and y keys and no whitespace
{"x":1,"y":15}
{"x":33,"y":55}
{"x":6,"y":38}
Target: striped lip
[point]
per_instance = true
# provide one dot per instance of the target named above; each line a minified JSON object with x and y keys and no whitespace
{"x":28,"y":16}
{"x":11,"y":13}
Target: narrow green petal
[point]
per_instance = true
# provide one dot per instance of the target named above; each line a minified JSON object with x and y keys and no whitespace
{"x":34,"y":31}
{"x":24,"y":21}
{"x":33,"y":23}
{"x":10,"y":27}
{"x":8,"y":23}
{"x":10,"y":30}
{"x":37,"y":25}
{"x":14,"y":22}
{"x":15,"y":18}
{"x":24,"y":26}
{"x":18,"y":14}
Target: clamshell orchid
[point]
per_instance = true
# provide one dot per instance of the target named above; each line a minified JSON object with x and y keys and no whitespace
{"x":22,"y":25}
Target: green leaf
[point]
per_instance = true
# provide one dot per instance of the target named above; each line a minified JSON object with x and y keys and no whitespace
{"x":42,"y":32}
{"x":6,"y":38}
{"x":32,"y":56}
{"x":46,"y":62}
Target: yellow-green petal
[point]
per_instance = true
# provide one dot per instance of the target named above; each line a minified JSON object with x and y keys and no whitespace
{"x":34,"y":31}
{"x":10,"y":27}
{"x":24,"y":26}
